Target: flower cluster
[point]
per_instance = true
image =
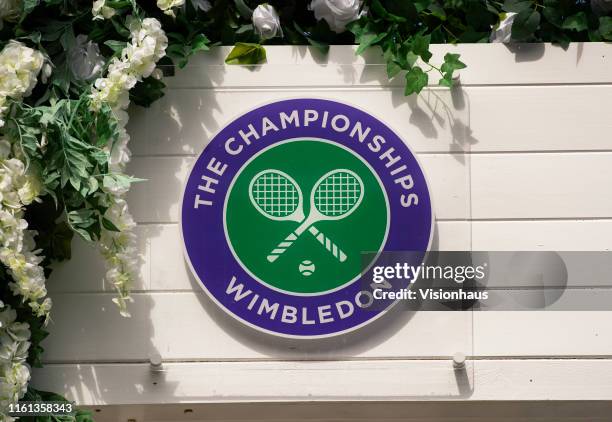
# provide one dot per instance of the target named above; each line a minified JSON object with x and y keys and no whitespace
{"x":20,"y":187}
{"x":167,"y":6}
{"x":19,"y":68}
{"x":138,"y":59}
{"x":101,"y":11}
{"x":14,"y":346}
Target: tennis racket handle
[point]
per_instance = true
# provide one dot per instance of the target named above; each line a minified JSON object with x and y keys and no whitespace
{"x":282,"y":247}
{"x":328,"y":244}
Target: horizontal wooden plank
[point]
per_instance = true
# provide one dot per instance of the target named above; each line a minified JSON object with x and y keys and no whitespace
{"x":572,"y":185}
{"x":183,"y":121}
{"x":552,"y":333}
{"x":159,"y":326}
{"x":157,"y":200}
{"x":163,"y":267}
{"x":554,"y":235}
{"x":476,"y":119}
{"x":343,"y":411}
{"x":199,"y":382}
{"x":187,"y":325}
{"x":488,"y":64}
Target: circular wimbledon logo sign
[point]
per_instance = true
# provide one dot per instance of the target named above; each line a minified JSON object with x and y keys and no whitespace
{"x":289,"y":206}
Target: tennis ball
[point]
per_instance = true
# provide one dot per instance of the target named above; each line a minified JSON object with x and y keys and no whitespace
{"x":306,"y":268}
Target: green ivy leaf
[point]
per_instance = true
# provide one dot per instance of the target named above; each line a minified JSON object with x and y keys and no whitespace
{"x":577,"y":22}
{"x":200,"y":43}
{"x":446,"y":81}
{"x":368,"y":39}
{"x":420,"y":46}
{"x":437,"y":11}
{"x":416,"y":80}
{"x":392,"y":67}
{"x":246,"y":53}
{"x":525,"y":24}
{"x":451,"y":63}
{"x":380,"y":10}
{"x":517,"y":6}
{"x":605,"y":27}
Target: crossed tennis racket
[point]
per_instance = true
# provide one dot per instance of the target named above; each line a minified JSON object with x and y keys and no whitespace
{"x":334,"y":196}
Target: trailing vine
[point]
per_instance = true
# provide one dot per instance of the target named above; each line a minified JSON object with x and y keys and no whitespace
{"x":70,"y":68}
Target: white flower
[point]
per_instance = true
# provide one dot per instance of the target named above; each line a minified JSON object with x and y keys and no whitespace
{"x":101,"y":11}
{"x":337,"y":13}
{"x":147,"y":45}
{"x":503,"y":32}
{"x":266,"y":22}
{"x":167,"y":5}
{"x":203,"y":5}
{"x":601,"y":7}
{"x":9,"y":10}
{"x":84,"y":59}
{"x":14,"y":346}
{"x":19,"y":68}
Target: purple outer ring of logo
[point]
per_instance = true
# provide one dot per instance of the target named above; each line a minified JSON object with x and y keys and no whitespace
{"x":212,"y":261}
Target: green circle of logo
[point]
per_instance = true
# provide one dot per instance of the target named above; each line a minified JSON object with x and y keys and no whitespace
{"x":299,"y":215}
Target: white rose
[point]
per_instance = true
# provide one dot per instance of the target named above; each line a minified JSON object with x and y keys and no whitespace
{"x":337,"y":13}
{"x":266,"y":22}
{"x":101,"y":11}
{"x":503,"y":32}
{"x":601,"y":7}
{"x":84,"y":59}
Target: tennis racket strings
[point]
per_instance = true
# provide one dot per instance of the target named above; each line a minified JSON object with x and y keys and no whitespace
{"x":277,"y":196}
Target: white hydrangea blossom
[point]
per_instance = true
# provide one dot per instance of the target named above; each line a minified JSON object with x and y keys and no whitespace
{"x":18,"y":188}
{"x":14,"y":371}
{"x":101,"y":11}
{"x":167,"y":6}
{"x":19,"y":68}
{"x":138,"y":59}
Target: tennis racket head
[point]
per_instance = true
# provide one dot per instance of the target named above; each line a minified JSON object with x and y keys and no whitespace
{"x":337,"y":194}
{"x":276,"y":195}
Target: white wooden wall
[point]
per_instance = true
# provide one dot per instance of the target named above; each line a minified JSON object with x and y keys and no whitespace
{"x":519,"y":158}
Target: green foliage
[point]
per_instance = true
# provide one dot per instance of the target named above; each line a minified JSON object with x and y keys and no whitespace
{"x":246,"y":53}
{"x":405,"y":30}
{"x":71,"y":147}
